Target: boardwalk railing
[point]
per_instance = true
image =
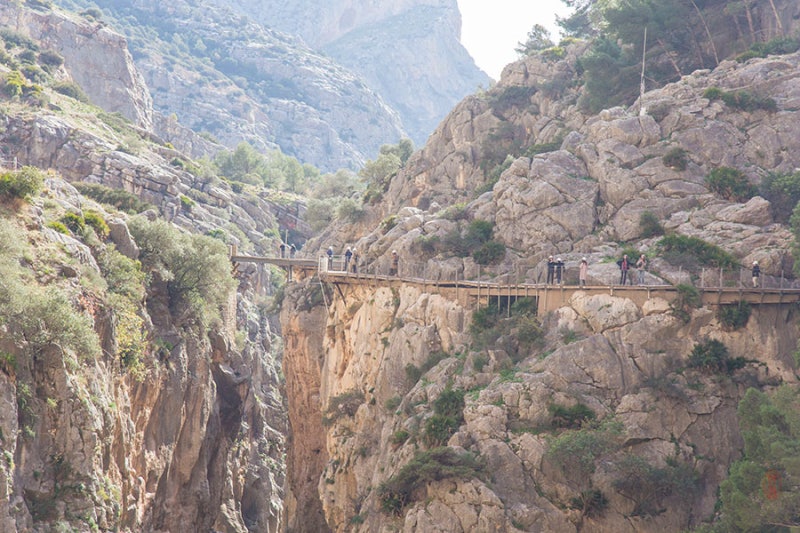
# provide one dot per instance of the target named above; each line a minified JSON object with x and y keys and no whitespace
{"x":456,"y":271}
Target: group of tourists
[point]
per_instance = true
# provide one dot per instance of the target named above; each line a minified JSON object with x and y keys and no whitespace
{"x":555,"y":270}
{"x":626,"y":265}
{"x":292,"y":250}
{"x":350,"y":259}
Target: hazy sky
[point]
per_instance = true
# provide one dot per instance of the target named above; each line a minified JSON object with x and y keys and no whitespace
{"x":491,"y":29}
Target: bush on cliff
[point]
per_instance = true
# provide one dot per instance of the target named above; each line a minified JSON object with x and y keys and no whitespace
{"x":432,"y":465}
{"x":22,"y":183}
{"x":195,"y":268}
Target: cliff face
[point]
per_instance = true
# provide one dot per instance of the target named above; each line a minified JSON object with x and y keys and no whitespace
{"x":619,"y":361}
{"x":394,"y":357}
{"x":157,"y":427}
{"x":240,"y":81}
{"x":96,"y":57}
{"x":409,"y":52}
{"x":121,"y":410}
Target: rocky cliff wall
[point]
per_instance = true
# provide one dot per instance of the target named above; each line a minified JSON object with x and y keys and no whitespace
{"x":233,"y":79}
{"x":186,"y":434}
{"x":409,"y":52}
{"x":96,"y":57}
{"x":618,"y":360}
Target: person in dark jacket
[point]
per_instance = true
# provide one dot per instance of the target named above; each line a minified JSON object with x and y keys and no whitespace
{"x":395,"y":263}
{"x":330,"y":257}
{"x":348,"y":255}
{"x":551,"y":269}
{"x":559,"y":270}
{"x":756,"y":273}
{"x":624,"y":267}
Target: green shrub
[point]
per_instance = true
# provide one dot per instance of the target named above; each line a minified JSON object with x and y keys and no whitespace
{"x":51,"y":58}
{"x":41,"y":317}
{"x":74,"y":222}
{"x":512,"y":96}
{"x":72,"y":90}
{"x":344,"y":404}
{"x":778,"y":46}
{"x":687,"y":299}
{"x":59,"y":227}
{"x":399,"y":437}
{"x":196,"y":269}
{"x":388,"y":223}
{"x":439,"y":429}
{"x":14,"y":38}
{"x":187,"y":203}
{"x":572,"y":417}
{"x":576,"y":452}
{"x":544,"y":148}
{"x":96,"y":221}
{"x":712,"y":356}
{"x":349,"y":210}
{"x":524,"y":307}
{"x":432,"y":465}
{"x":489,"y":252}
{"x":22,"y":183}
{"x":319,"y":213}
{"x":483,"y":319}
{"x":731,"y":184}
{"x":118,"y":198}
{"x":783,"y":193}
{"x":650,"y":225}
{"x":647,"y":485}
{"x":675,"y":159}
{"x":735,"y":316}
{"x":450,"y":403}
{"x":456,"y":212}
{"x":744,"y":100}
{"x":448,"y":416}
{"x":13,"y":83}
{"x":691,"y":251}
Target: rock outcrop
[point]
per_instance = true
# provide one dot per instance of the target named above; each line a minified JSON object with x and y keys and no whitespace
{"x":577,"y":186}
{"x":618,"y":362}
{"x":96,"y":57}
{"x":167,"y":427}
{"x":409,"y":52}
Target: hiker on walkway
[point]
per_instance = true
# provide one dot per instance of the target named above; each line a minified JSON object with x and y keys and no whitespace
{"x":354,"y":266}
{"x":348,"y":254}
{"x":551,"y":269}
{"x":641,"y":266}
{"x":559,"y":270}
{"x":583,"y":272}
{"x":292,"y":251}
{"x":330,"y":257}
{"x":283,"y":249}
{"x":624,"y":265}
{"x":756,"y":273}
{"x":395,"y":263}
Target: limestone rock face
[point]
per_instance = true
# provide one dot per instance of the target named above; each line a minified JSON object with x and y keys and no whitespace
{"x":191,"y":439}
{"x":416,"y":41}
{"x":622,"y":363}
{"x":97,"y":58}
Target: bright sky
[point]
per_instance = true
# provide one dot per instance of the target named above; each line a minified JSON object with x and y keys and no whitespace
{"x":491,"y":29}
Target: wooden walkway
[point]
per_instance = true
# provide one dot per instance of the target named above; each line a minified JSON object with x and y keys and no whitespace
{"x":548,"y":298}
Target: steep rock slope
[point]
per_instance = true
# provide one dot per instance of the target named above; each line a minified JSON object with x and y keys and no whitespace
{"x":163,"y":426}
{"x":172,"y":422}
{"x":239,"y":81}
{"x":624,"y":362}
{"x":576,"y":185}
{"x":409,"y":52}
{"x":96,"y":57}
